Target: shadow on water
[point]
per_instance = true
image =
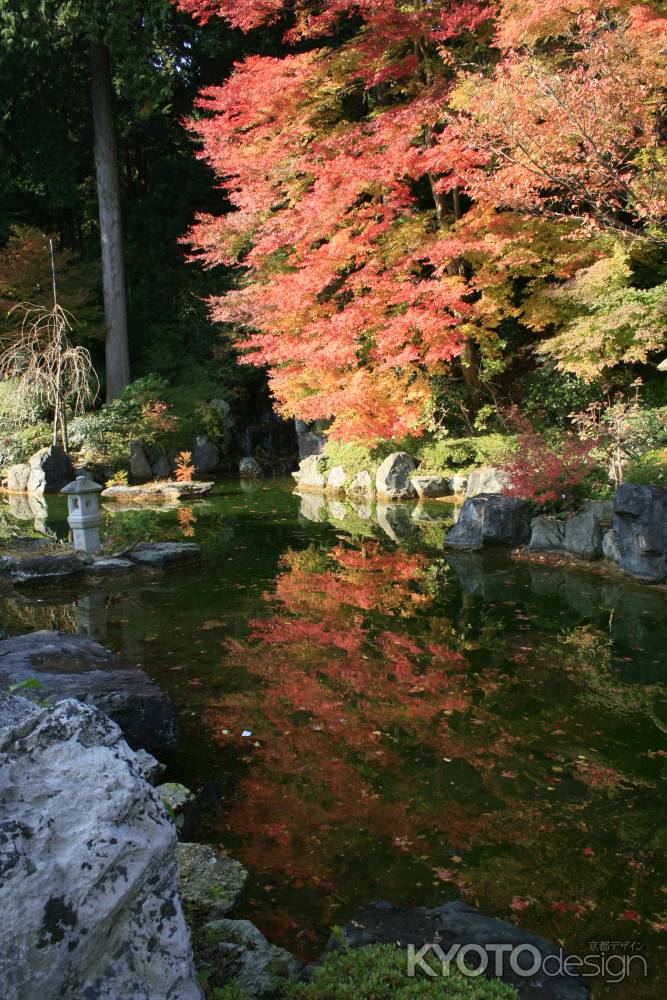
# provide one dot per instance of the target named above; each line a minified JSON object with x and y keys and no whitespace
{"x":421,"y":726}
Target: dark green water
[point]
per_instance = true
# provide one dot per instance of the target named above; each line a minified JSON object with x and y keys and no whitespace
{"x":421,"y":728}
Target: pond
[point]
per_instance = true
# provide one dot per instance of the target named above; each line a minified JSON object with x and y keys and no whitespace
{"x":364,"y":717}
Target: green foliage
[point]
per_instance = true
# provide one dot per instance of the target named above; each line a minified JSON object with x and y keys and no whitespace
{"x":550,"y":395}
{"x":356,"y":457}
{"x":380,"y":970}
{"x":462,"y":453}
{"x":230,"y":991}
{"x":650,"y":469}
{"x":19,"y":446}
{"x":18,"y":408}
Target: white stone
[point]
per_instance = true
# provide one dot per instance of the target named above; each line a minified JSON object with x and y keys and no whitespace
{"x":392,"y":480}
{"x":361,"y":485}
{"x":336,"y":479}
{"x":486,"y":479}
{"x":89,"y":865}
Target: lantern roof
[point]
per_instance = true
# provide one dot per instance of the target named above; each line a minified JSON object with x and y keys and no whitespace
{"x":82,"y":484}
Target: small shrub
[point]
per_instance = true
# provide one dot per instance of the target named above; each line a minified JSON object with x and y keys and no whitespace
{"x":650,"y":469}
{"x":380,"y":970}
{"x":119,"y":478}
{"x":185,"y":470}
{"x":556,"y":474}
{"x":19,"y":446}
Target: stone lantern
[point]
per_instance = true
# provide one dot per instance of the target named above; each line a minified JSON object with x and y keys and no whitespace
{"x":84,"y":518}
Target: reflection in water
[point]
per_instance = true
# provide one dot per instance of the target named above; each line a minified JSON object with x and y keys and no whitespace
{"x":423,"y":727}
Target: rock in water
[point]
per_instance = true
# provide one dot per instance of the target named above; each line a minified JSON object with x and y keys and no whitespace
{"x":46,"y":569}
{"x":547,"y":534}
{"x":392,"y":479}
{"x":88,"y":857}
{"x":640,"y":526}
{"x":50,"y":469}
{"x":486,"y":479}
{"x":311,"y":473}
{"x":74,"y":666}
{"x":17,"y":477}
{"x":237,"y":949}
{"x":336,"y":480}
{"x":361,"y":485}
{"x":456,"y":923}
{"x":491,"y":519}
{"x":210,"y":882}
{"x":432,"y":486}
{"x":160,"y":555}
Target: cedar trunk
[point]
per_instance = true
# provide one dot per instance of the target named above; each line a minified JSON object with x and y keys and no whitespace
{"x":111,"y":237}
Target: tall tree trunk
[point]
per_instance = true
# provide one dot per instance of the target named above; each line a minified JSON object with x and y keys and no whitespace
{"x":108,"y":196}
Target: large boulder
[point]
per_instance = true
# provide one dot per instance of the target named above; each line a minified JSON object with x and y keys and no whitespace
{"x":88,"y":860}
{"x":74,"y":666}
{"x":161,"y":467}
{"x":640,"y":527}
{"x":392,"y":480}
{"x":17,"y":478}
{"x":310,"y":475}
{"x":205,"y":454}
{"x":583,"y":534}
{"x":140,"y":467}
{"x":432,"y":486}
{"x":249,"y":468}
{"x":50,"y":470}
{"x":610,"y":549}
{"x":336,"y":479}
{"x":547,"y":534}
{"x":236,"y":949}
{"x":46,"y":569}
{"x":458,"y":924}
{"x":310,"y":444}
{"x":162,"y":555}
{"x":486,"y":479}
{"x":491,"y":519}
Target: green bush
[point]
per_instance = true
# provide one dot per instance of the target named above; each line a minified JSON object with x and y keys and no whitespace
{"x":462,"y":453}
{"x":379,"y":971}
{"x":650,"y":469}
{"x":20,"y":445}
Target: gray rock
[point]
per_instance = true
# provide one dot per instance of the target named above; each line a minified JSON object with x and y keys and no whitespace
{"x":160,"y":555}
{"x":583,"y":534}
{"x":491,"y":519}
{"x":361,"y":485}
{"x":392,"y":479}
{"x":310,"y":444}
{"x":244,"y":954}
{"x":457,"y":923}
{"x":110,"y":565}
{"x":161,"y":468}
{"x":603,"y":510}
{"x":140,"y":469}
{"x":150,"y":766}
{"x":547,"y":534}
{"x":211,"y":883}
{"x":50,"y":470}
{"x":46,"y":569}
{"x":89,"y":865}
{"x":459,"y":482}
{"x":311,"y":473}
{"x":396,"y":521}
{"x":181,"y":805}
{"x":640,"y":526}
{"x":74,"y":666}
{"x":432,"y":486}
{"x":336,"y":479}
{"x":249,"y":468}
{"x":17,"y":478}
{"x":610,"y":549}
{"x":205,"y":455}
{"x":486,"y":479}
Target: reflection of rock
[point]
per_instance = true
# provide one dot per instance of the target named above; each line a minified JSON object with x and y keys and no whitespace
{"x":362,"y":510}
{"x":50,"y":469}
{"x":312,"y":507}
{"x":491,"y":519}
{"x":395,"y":521}
{"x":456,"y":923}
{"x":432,"y":486}
{"x":337,"y":510}
{"x":160,"y":555}
{"x":640,"y":525}
{"x":361,"y":485}
{"x":210,"y":882}
{"x":89,"y":864}
{"x":547,"y":534}
{"x":310,"y":475}
{"x":392,"y":480}
{"x":486,"y":479}
{"x":20,"y":507}
{"x":73,"y":666}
